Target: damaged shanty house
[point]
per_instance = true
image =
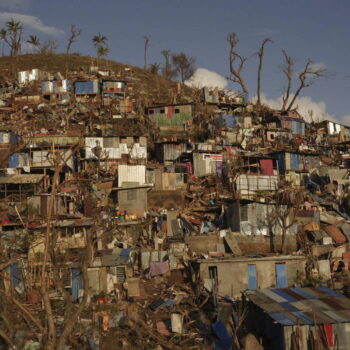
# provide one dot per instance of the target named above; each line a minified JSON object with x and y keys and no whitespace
{"x":171,"y":118}
{"x":107,"y":152}
{"x":43,"y":152}
{"x":293,"y":318}
{"x":249,"y":273}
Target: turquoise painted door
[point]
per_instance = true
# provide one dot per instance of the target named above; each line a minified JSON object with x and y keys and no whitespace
{"x":281,"y":275}
{"x":252,"y":277}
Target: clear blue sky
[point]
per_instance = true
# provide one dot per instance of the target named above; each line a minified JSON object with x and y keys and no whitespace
{"x":317,"y":29}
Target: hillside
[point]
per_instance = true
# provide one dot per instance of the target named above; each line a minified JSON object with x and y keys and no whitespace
{"x":152,"y":87}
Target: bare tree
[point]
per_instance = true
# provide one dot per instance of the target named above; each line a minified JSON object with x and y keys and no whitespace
{"x":306,"y":78}
{"x":48,"y":47}
{"x":74,"y":33}
{"x":288,"y":203}
{"x":235,"y":57}
{"x":184,"y":65}
{"x":167,"y":70}
{"x":146,"y":38}
{"x":288,"y":71}
{"x":54,"y":256}
{"x":261,"y":56}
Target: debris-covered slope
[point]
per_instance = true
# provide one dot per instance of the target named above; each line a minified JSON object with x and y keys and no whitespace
{"x":153,"y":87}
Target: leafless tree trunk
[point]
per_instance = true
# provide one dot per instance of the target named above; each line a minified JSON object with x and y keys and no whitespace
{"x":236,"y":72}
{"x":75,"y":32}
{"x":261,"y":56}
{"x":51,"y":331}
{"x":271,"y":224}
{"x":167,"y":70}
{"x":288,"y":203}
{"x":72,"y":313}
{"x":288,"y":71}
{"x":146,"y":38}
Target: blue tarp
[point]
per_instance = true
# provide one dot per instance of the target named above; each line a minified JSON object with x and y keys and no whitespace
{"x":124,"y":255}
{"x":13,"y":161}
{"x":224,"y":341}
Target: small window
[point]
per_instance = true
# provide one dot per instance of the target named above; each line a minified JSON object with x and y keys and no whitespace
{"x":272,"y":136}
{"x":213,"y":272}
{"x":177,"y":110}
{"x":131,"y":196}
{"x":162,"y":111}
{"x":151,"y":111}
{"x":244,"y":212}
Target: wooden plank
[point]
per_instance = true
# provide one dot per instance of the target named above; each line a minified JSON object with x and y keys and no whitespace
{"x":232,"y":243}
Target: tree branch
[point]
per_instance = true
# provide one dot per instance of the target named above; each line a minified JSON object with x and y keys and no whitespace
{"x":261,"y":56}
{"x":233,"y":58}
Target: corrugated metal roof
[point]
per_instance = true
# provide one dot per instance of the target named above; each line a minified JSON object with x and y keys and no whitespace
{"x":294,"y":306}
{"x":335,"y":233}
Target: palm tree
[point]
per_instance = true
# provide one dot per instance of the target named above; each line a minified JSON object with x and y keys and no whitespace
{"x":154,"y":68}
{"x":34,"y":41}
{"x":99,"y":40}
{"x":102,"y":51}
{"x":14,"y":29}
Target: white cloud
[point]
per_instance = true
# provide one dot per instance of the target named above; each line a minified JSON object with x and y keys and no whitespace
{"x":305,"y":105}
{"x":31,"y":22}
{"x":204,"y":77}
{"x":318,"y":65}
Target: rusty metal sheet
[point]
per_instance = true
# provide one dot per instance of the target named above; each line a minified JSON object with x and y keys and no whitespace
{"x":335,"y":233}
{"x":293,"y":294}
